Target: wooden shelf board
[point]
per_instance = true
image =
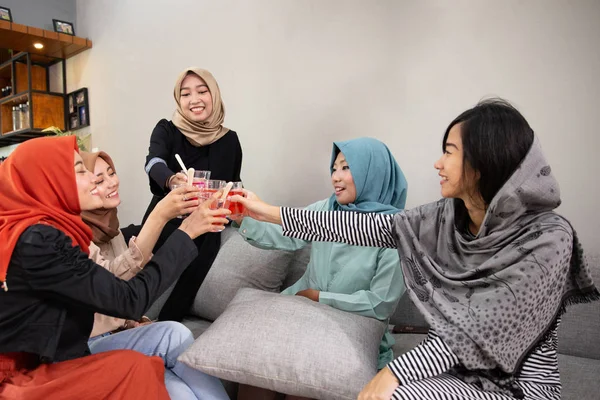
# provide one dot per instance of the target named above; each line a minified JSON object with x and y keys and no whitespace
{"x":20,"y":136}
{"x":15,"y":99}
{"x":56,"y":45}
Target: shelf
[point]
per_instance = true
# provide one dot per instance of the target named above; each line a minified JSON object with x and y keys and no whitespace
{"x":21,"y":136}
{"x":15,"y":99}
{"x":28,"y":75}
{"x":5,"y":70}
{"x":56,"y":45}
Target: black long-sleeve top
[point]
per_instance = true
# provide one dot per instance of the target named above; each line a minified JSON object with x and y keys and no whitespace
{"x":223,"y":157}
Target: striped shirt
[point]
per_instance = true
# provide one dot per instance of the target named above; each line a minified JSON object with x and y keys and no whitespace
{"x":422,"y":372}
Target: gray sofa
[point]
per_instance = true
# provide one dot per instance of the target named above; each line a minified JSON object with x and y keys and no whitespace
{"x":241,"y":265}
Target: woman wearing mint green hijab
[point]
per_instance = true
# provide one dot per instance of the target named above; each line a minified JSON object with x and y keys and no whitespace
{"x":366,"y":281}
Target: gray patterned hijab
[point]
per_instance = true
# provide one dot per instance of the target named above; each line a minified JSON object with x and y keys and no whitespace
{"x":492,"y":297}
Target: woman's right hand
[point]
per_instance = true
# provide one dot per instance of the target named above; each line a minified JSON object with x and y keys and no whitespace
{"x":178,"y":179}
{"x":258,"y":209}
{"x":204,"y":220}
{"x":381,"y":387}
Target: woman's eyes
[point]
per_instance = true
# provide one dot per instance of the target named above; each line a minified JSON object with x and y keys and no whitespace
{"x":344,"y":168}
{"x":187,"y":94}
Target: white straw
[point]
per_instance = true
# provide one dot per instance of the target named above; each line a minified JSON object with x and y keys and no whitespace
{"x":226,"y":191}
{"x":190,"y":176}
{"x":181,"y":164}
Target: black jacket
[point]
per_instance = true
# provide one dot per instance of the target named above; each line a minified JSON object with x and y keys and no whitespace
{"x":54,"y":290}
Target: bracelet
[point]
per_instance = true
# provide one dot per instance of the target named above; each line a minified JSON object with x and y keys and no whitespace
{"x":168,"y":185}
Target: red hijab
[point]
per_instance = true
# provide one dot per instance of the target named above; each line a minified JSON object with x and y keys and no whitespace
{"x":37,"y":185}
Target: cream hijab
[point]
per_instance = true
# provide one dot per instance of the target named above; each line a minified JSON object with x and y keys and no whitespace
{"x":208,"y":131}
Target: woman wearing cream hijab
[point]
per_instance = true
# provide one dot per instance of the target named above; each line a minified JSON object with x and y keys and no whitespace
{"x":197,"y":134}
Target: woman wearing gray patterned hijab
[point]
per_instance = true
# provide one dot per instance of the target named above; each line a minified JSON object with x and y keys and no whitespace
{"x":491,"y":266}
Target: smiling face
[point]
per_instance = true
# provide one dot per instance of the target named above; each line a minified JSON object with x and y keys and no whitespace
{"x":343,"y":183}
{"x":458,"y":181}
{"x":87,"y":191}
{"x":108,"y":184}
{"x":195,"y":98}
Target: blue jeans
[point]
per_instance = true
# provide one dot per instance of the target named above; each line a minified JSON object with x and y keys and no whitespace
{"x":167,"y":340}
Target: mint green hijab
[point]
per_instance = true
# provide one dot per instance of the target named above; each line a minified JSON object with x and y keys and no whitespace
{"x":380,"y":183}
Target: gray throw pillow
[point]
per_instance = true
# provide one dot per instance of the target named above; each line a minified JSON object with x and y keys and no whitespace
{"x":289,"y":344}
{"x":239,"y":265}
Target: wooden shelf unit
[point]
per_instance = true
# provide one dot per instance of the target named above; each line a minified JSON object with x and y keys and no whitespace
{"x":27,"y":73}
{"x":29,"y":77}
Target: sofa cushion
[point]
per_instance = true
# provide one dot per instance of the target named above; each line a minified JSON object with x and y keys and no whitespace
{"x":289,"y":344}
{"x":579,"y":330}
{"x":239,"y":265}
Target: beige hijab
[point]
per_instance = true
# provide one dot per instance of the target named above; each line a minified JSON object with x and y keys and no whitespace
{"x":208,"y":131}
{"x":103,"y":221}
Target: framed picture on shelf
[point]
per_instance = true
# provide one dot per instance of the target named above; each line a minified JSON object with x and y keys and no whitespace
{"x":74,"y":123}
{"x":82,"y":116}
{"x":80,"y":98}
{"x":5,"y":14}
{"x":79,"y":108}
{"x":63,"y":27}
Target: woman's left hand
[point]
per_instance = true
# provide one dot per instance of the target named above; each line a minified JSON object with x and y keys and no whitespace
{"x":381,"y":387}
{"x":130,"y":324}
{"x":311,"y":294}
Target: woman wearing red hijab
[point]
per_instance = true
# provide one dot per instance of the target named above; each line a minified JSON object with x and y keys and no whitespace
{"x":51,"y":289}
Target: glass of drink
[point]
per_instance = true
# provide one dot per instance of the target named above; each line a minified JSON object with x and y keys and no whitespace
{"x":237,"y":209}
{"x":200,"y":179}
{"x":211,"y":187}
{"x":191,"y":198}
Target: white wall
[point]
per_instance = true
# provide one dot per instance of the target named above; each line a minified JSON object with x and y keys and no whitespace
{"x":298,"y":74}
{"x":39,"y":13}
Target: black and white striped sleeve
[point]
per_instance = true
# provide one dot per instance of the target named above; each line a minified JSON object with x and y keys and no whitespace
{"x":358,"y":229}
{"x":431,"y":358}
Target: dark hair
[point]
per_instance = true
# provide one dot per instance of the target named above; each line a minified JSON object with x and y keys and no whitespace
{"x":495,"y":138}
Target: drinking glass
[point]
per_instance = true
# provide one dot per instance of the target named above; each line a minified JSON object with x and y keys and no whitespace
{"x":200,"y":179}
{"x":191,"y":198}
{"x":212,"y":186}
{"x":237,"y":209}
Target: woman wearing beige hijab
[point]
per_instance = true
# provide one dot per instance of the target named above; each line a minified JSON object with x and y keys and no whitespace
{"x":197,"y":134}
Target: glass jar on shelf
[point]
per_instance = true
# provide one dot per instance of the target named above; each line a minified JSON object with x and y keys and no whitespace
{"x":24,"y":115}
{"x":16,"y":118}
